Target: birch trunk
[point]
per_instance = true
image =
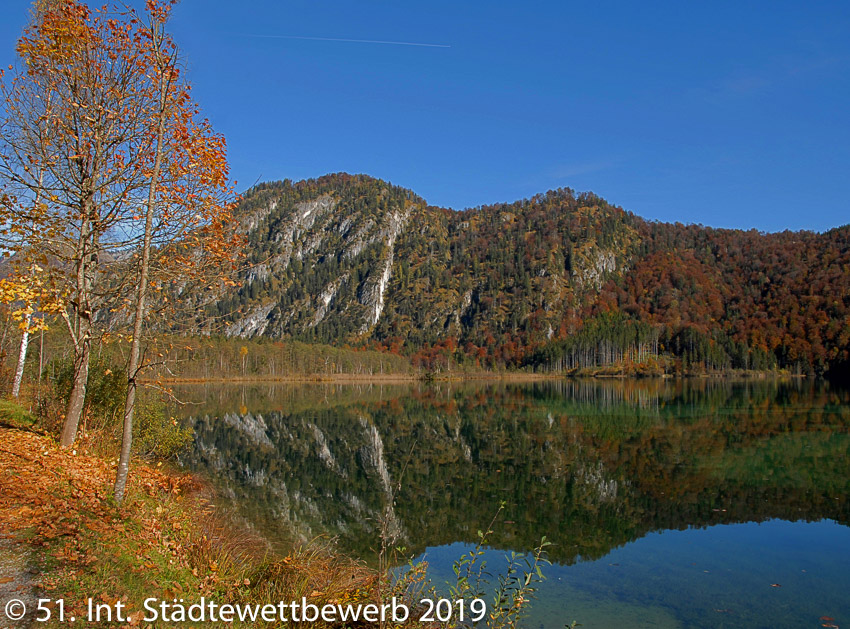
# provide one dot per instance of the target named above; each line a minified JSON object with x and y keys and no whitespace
{"x":25,"y":337}
{"x":22,"y":357}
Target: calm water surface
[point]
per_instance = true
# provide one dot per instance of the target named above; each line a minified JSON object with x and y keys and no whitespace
{"x":669,"y":503}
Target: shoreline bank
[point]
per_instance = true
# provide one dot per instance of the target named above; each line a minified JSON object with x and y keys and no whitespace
{"x":471,"y":377}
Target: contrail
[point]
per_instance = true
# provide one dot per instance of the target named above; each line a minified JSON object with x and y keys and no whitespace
{"x":355,"y":41}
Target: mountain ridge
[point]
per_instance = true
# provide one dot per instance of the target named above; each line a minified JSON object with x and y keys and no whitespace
{"x":350,"y":259}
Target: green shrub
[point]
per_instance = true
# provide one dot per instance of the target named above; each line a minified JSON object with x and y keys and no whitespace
{"x":155,"y":433}
{"x":105,"y":392}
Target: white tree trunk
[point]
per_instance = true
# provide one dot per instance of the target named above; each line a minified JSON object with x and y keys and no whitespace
{"x":22,"y":357}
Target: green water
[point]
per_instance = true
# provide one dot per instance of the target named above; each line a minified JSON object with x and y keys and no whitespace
{"x":669,"y":503}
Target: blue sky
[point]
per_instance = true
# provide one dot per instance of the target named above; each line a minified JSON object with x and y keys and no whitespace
{"x":728,"y":114}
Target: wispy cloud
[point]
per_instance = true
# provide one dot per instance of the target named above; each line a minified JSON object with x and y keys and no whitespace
{"x":350,"y":41}
{"x":566,"y":173}
{"x":776,"y":74}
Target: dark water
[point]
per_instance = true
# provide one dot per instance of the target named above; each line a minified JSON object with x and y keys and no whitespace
{"x":668,"y":503}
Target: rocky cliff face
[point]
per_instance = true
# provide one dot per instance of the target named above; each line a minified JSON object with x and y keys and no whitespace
{"x":322,"y":261}
{"x":351,"y":258}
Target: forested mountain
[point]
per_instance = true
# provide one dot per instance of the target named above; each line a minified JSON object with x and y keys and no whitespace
{"x":561,"y":280}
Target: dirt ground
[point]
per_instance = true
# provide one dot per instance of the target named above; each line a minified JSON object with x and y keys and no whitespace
{"x":16,"y":579}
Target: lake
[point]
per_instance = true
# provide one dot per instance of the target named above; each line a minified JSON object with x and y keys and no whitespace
{"x":669,"y":503}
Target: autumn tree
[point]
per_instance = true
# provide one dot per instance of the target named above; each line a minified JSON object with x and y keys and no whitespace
{"x":74,"y":149}
{"x":187,"y":214}
{"x":30,"y":293}
{"x":108,"y":172}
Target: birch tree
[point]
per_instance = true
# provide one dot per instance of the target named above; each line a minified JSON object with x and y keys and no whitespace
{"x":29,"y":293}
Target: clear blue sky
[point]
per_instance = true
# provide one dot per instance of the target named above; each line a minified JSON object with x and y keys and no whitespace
{"x":731,"y":114}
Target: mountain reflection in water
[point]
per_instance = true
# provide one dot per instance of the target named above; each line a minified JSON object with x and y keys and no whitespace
{"x":592,"y":465}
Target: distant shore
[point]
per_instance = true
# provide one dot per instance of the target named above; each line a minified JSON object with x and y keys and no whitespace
{"x":367,"y":378}
{"x":507,"y":376}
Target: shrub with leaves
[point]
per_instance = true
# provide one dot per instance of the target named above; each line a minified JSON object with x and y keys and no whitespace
{"x":515,"y":587}
{"x":507,"y":599}
{"x":105,"y":392}
{"x":157,"y":434}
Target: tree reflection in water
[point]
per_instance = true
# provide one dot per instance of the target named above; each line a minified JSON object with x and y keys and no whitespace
{"x":590,"y":464}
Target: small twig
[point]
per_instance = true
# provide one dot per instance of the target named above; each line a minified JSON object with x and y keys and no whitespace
{"x":166,"y":392}
{"x":406,"y":463}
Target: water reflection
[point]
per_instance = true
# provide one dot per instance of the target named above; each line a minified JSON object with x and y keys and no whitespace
{"x":592,"y":465}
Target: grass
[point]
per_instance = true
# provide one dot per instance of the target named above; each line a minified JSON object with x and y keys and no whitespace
{"x":13,"y":415}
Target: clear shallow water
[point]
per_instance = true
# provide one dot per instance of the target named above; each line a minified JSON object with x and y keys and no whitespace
{"x":670,"y":504}
{"x":721,"y":576}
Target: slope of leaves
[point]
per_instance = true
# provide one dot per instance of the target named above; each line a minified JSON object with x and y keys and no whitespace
{"x":59,"y":502}
{"x":162,"y":542}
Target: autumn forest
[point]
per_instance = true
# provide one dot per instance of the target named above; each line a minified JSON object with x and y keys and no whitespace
{"x":559,"y":282}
